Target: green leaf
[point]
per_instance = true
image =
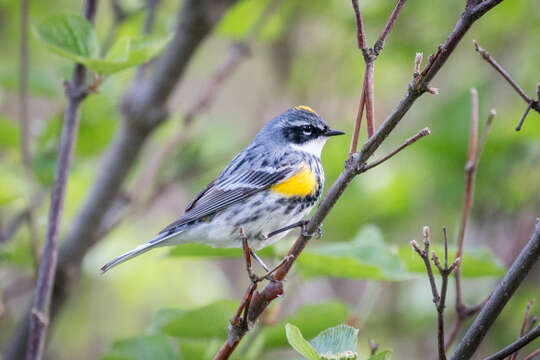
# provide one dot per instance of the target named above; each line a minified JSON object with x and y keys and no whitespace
{"x":73,"y":37}
{"x":210,"y":321}
{"x":68,"y":35}
{"x":127,"y":53}
{"x":340,"y":341}
{"x":297,"y":341}
{"x":202,"y":250}
{"x":366,"y":257}
{"x":312,"y":319}
{"x":384,"y":355}
{"x":479,"y":262}
{"x":154,"y":347}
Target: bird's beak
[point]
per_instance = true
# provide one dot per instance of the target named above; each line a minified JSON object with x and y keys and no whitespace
{"x":332,"y":132}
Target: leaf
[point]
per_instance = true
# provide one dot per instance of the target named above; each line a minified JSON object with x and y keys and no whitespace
{"x":341,"y":339}
{"x":479,"y":262}
{"x":366,"y":257}
{"x":384,"y":355}
{"x":202,"y":250}
{"x":154,"y":347}
{"x":68,"y":35}
{"x":127,"y":53}
{"x":72,"y":36}
{"x":312,"y":319}
{"x":297,"y":341}
{"x":210,"y":321}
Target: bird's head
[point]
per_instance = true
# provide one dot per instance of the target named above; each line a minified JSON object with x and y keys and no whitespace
{"x":300,"y":128}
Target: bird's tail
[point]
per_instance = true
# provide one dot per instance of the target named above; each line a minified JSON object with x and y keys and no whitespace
{"x":157,"y":241}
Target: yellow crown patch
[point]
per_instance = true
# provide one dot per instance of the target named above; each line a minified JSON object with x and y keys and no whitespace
{"x":305,"y":108}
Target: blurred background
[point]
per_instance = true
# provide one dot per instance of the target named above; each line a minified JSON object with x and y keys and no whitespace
{"x":301,"y":52}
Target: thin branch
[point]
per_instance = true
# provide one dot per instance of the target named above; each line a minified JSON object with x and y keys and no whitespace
{"x":528,"y":256}
{"x":360,"y":32}
{"x":484,"y":136}
{"x":524,"y":326}
{"x":422,"y":133}
{"x":367,"y":97}
{"x":357,"y":161}
{"x":516,"y":346}
{"x":438,"y":299}
{"x":379,"y":44}
{"x":531,"y":103}
{"x":532,"y":355}
{"x":75,"y":93}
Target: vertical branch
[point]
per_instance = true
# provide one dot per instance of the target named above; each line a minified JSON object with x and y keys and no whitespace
{"x":470,"y":171}
{"x":75,"y":93}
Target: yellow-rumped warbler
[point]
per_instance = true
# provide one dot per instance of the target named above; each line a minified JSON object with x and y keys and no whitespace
{"x":270,"y":185}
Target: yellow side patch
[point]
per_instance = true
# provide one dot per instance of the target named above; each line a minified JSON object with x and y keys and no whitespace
{"x":301,"y":184}
{"x":306,"y":108}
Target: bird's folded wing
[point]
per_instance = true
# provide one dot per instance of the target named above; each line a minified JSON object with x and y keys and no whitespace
{"x":225,"y":191}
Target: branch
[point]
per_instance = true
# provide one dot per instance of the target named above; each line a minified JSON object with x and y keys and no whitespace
{"x":75,"y":93}
{"x":422,"y":133}
{"x":143,"y":109}
{"x":444,"y":271}
{"x":516,"y":345}
{"x":367,"y":98}
{"x":502,"y":293}
{"x":473,"y":157}
{"x":532,"y":355}
{"x":357,"y":160}
{"x":531,"y":103}
{"x":524,"y":325}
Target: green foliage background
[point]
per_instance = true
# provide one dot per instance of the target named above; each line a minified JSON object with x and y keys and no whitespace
{"x":172,"y":304}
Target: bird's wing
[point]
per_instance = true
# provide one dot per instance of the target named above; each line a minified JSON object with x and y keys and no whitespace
{"x":229,"y":188}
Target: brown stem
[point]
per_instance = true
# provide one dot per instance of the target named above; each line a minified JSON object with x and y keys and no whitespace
{"x":532,"y":355}
{"x":356,"y":162}
{"x":370,"y":96}
{"x":524,"y":325}
{"x":360,"y":32}
{"x":379,"y":44}
{"x":358,"y":121}
{"x":422,"y":133}
{"x":531,"y":103}
{"x":39,"y":321}
{"x":470,"y":172}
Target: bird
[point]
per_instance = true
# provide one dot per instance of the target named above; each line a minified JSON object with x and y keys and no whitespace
{"x":265,"y":191}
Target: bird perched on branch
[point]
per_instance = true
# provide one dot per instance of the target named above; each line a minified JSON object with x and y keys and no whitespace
{"x":266,"y":190}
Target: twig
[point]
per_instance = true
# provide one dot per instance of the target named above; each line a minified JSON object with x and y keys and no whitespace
{"x":409,"y":141}
{"x":438,"y":299}
{"x":462,"y":310}
{"x":357,"y":160}
{"x":75,"y":93}
{"x":484,"y":136}
{"x":528,"y":256}
{"x":532,"y":355}
{"x":531,"y":103}
{"x":367,"y":97}
{"x":516,"y":345}
{"x":524,"y":326}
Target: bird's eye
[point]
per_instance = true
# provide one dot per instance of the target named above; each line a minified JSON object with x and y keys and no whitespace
{"x":307,"y":130}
